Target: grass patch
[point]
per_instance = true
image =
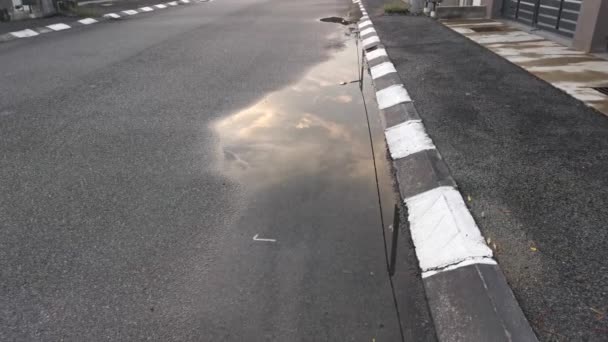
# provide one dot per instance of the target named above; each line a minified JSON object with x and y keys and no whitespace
{"x":396,"y":7}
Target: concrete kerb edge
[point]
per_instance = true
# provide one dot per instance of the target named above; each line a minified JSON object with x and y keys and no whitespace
{"x":119,"y":16}
{"x":428,"y":190}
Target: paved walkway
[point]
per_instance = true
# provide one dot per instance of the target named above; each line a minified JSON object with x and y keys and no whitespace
{"x":531,"y":161}
{"x":574,"y":72}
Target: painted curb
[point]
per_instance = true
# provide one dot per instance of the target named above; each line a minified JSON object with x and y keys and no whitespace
{"x":36,"y":31}
{"x":467,"y":293}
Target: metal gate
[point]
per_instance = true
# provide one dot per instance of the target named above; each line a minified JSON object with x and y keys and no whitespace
{"x":559,"y":16}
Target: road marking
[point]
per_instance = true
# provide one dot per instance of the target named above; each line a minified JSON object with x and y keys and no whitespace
{"x":407,"y":138}
{"x":392,"y":95}
{"x":375,"y":54}
{"x":367,"y":31}
{"x":112,"y":15}
{"x":59,"y":27}
{"x":382,"y":69}
{"x":130,"y":12}
{"x":255,"y":238}
{"x":87,"y":21}
{"x":370,"y":42}
{"x":443,"y":230}
{"x":185,"y":1}
{"x":161,"y":6}
{"x":172,"y":3}
{"x":24,"y":33}
{"x":364,"y":24}
{"x":146,"y":9}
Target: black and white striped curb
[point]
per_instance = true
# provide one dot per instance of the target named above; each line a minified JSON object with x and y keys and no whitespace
{"x":467,"y":293}
{"x":36,"y":31}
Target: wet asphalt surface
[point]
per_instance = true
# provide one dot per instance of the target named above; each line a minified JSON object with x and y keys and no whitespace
{"x":533,"y":161}
{"x":141,"y":157}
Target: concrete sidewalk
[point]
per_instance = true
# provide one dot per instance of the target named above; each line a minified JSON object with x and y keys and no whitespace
{"x":531,"y":162}
{"x":575,"y":72}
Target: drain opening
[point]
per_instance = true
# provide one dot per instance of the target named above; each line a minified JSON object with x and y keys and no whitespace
{"x":603,"y":90}
{"x":336,"y":20}
{"x":486,"y":28}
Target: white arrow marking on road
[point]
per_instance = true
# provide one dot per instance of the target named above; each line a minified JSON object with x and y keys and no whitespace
{"x":255,"y":238}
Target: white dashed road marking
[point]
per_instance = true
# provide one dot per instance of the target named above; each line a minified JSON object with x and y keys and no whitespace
{"x":370,"y":42}
{"x":59,"y":27}
{"x":87,"y":21}
{"x":367,"y":31}
{"x":382,"y":69}
{"x":443,"y":229}
{"x":365,"y":24}
{"x":375,"y":54}
{"x":407,"y":138}
{"x":392,"y":95}
{"x":24,"y":33}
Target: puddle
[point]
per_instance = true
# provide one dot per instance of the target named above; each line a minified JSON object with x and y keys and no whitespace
{"x":312,"y":131}
{"x":303,"y":129}
{"x":336,"y":20}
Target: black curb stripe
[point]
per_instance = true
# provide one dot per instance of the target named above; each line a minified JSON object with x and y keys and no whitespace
{"x":420,"y":172}
{"x":475,"y":303}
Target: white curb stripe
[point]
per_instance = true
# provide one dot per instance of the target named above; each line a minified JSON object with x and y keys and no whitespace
{"x":407,"y":138}
{"x":364,"y":24}
{"x":391,"y":96}
{"x":160,"y":6}
{"x":185,"y":1}
{"x":443,"y":230}
{"x":370,"y":42}
{"x":375,"y":54}
{"x":130,"y":12}
{"x":87,"y":21}
{"x":364,"y":18}
{"x":172,"y":3}
{"x":112,"y":15}
{"x":24,"y":33}
{"x":59,"y":27}
{"x":382,"y":69}
{"x":146,"y":9}
{"x":368,"y":31}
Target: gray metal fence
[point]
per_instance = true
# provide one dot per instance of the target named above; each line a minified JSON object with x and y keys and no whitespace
{"x":559,"y":16}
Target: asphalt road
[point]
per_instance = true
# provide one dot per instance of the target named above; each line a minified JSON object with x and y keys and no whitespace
{"x":140,"y":158}
{"x":532,"y":162}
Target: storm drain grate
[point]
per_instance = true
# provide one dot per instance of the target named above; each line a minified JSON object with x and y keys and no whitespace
{"x":603,"y":90}
{"x":486,"y":28}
